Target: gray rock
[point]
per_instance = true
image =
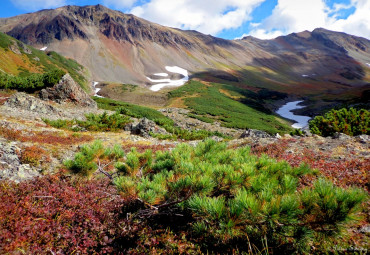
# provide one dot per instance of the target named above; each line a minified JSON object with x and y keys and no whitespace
{"x":363,"y":139}
{"x":29,"y":103}
{"x":145,"y":127}
{"x":216,"y":138}
{"x":67,"y":90}
{"x":341,"y":136}
{"x":254,"y":133}
{"x":11,"y":167}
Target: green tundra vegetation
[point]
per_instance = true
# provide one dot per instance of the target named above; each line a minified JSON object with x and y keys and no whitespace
{"x":240,"y":109}
{"x":34,"y":59}
{"x":227,"y":200}
{"x":348,"y":121}
{"x":31,"y":83}
{"x":168,"y":124}
{"x":94,"y":122}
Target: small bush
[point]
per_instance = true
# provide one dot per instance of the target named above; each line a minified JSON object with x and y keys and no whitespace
{"x":348,"y":121}
{"x":33,"y":155}
{"x":32,"y":82}
{"x":94,"y":122}
{"x":85,"y":161}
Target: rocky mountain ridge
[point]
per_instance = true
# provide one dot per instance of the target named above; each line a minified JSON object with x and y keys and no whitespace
{"x":119,"y":47}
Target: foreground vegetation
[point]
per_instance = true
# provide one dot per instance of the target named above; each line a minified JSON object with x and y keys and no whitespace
{"x":233,"y":107}
{"x":348,"y":121}
{"x":226,"y":198}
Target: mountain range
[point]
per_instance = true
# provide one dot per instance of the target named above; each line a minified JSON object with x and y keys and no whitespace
{"x":116,"y":47}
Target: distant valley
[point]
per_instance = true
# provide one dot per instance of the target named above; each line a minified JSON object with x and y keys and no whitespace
{"x":327,"y":68}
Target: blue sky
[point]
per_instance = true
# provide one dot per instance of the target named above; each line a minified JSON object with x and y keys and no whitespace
{"x":229,"y":18}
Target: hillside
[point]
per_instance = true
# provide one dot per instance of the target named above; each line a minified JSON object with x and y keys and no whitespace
{"x":21,"y":60}
{"x":324,"y":66}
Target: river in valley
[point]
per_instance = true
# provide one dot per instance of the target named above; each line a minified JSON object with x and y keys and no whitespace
{"x":286,"y":112}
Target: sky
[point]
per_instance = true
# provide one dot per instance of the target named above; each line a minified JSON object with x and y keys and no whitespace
{"x":230,"y":19}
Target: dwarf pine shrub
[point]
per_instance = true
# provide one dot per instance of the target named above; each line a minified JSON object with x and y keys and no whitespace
{"x":32,"y":82}
{"x":234,"y":198}
{"x":94,"y":122}
{"x":348,"y":121}
{"x":85,"y":161}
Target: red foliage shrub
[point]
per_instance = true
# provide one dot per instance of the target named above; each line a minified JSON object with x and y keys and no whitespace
{"x":33,"y":155}
{"x":58,"y":215}
{"x":62,"y":215}
{"x":143,"y":147}
{"x":43,"y":137}
{"x":343,"y":172}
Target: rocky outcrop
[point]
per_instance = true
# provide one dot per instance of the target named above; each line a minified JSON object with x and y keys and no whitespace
{"x":11,"y":167}
{"x":67,"y":90}
{"x":29,"y":103}
{"x":254,"y":133}
{"x":145,"y":127}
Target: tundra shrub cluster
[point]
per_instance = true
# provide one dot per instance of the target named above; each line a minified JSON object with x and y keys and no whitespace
{"x":228,"y":197}
{"x":348,"y":121}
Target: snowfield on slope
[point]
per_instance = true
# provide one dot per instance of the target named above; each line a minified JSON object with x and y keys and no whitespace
{"x":168,"y":82}
{"x":96,"y":89}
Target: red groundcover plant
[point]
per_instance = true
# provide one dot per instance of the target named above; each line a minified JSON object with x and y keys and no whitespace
{"x":58,"y":214}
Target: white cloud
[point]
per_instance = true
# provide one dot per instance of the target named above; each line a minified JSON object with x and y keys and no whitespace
{"x":357,"y":23}
{"x":120,"y":4}
{"x":34,"y":5}
{"x":299,"y":15}
{"x":207,"y":16}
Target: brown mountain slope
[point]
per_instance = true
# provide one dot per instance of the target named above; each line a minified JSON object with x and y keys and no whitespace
{"x":123,"y":48}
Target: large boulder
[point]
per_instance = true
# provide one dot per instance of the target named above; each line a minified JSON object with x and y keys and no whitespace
{"x":11,"y":167}
{"x":145,"y":127}
{"x":67,"y":90}
{"x":254,"y":133}
{"x":26,"y":102}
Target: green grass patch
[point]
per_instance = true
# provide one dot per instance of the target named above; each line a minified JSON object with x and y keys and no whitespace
{"x":94,"y":122}
{"x":201,"y":118}
{"x":168,"y":124}
{"x":5,"y":40}
{"x":129,"y":87}
{"x":247,"y":112}
{"x":131,"y":110}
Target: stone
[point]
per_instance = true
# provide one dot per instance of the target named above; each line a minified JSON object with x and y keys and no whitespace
{"x":145,"y":127}
{"x":67,"y":90}
{"x":29,"y":103}
{"x":254,"y":133}
{"x":363,"y":139}
{"x":216,"y":138}
{"x":11,"y":167}
{"x":341,"y":136}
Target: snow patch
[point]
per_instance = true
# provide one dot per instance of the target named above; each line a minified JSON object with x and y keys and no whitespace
{"x":96,"y":89}
{"x":368,"y":64}
{"x":44,"y":48}
{"x":286,"y":112}
{"x":305,"y":75}
{"x":161,"y":74}
{"x":168,"y":82}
